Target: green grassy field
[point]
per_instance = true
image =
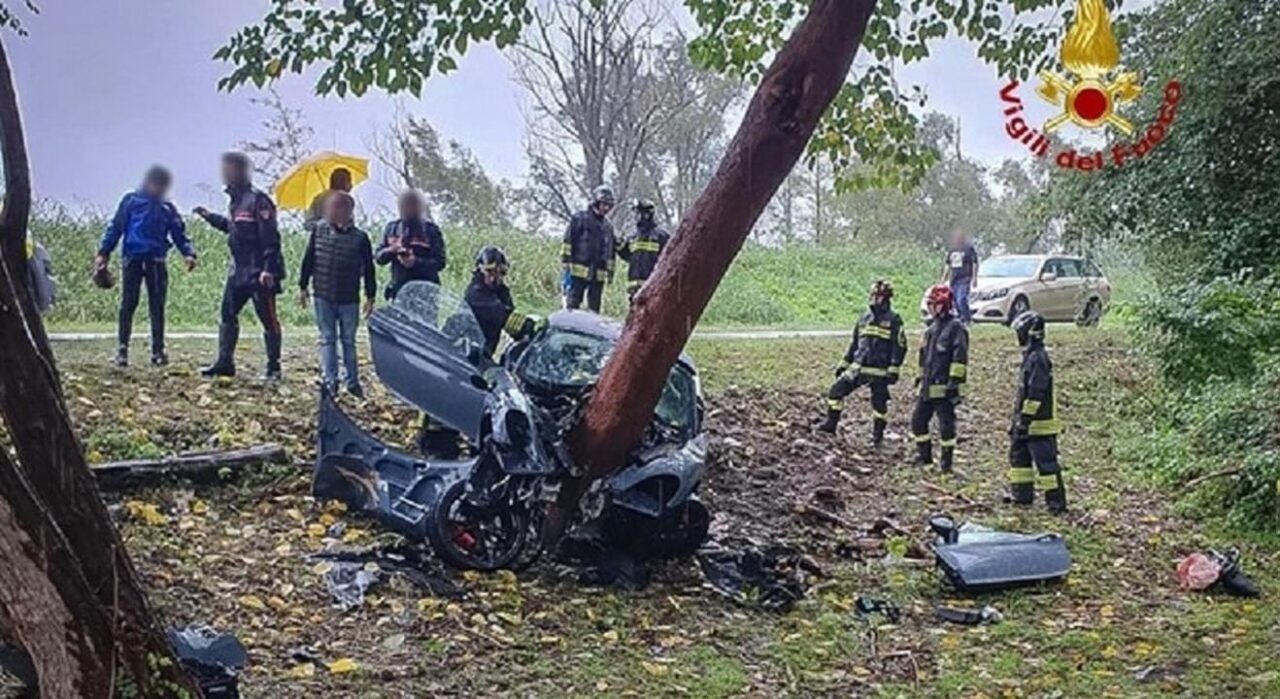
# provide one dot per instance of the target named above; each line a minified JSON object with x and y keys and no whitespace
{"x":800,"y":286}
{"x":1119,"y":627}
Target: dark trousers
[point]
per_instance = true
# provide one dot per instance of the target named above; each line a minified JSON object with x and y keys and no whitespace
{"x":926,"y":408}
{"x":579,"y":287}
{"x":1023,"y":453}
{"x":155,"y":274}
{"x":846,"y":385}
{"x":234,"y":299}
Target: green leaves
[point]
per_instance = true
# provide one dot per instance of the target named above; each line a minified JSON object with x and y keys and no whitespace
{"x":362,"y":44}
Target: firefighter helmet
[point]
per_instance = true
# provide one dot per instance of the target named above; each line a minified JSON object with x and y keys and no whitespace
{"x":881,"y":290}
{"x":492,"y":257}
{"x":603,"y":195}
{"x":642,"y":206}
{"x":1028,"y":325}
{"x":940,"y":295}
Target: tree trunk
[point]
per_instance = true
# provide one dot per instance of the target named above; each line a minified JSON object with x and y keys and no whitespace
{"x":51,"y":489}
{"x":794,"y":92}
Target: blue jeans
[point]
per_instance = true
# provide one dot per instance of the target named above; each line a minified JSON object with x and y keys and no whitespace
{"x":337,"y":324}
{"x":960,"y":292}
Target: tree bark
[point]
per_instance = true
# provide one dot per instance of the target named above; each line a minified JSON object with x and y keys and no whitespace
{"x":51,"y":471}
{"x":794,"y":92}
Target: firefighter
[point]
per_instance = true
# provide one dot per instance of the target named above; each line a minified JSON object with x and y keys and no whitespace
{"x":642,"y":249}
{"x":490,"y":302}
{"x":874,"y":359}
{"x":1035,"y":428}
{"x":944,"y":357}
{"x":257,"y":265}
{"x":588,"y":251}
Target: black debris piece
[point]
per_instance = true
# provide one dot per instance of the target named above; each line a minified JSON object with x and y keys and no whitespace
{"x":970,"y":617}
{"x":1232,"y":579}
{"x":354,"y":572}
{"x":866,"y":607}
{"x":773,"y":577}
{"x":214,"y":659}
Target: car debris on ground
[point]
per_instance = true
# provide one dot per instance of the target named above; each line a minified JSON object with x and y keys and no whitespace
{"x":1209,"y":569}
{"x":772,"y":577}
{"x":213,"y":659}
{"x":977,"y":559}
{"x":349,"y":575}
{"x":969,"y":617}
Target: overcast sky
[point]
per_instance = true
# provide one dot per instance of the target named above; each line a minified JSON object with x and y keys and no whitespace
{"x":111,"y":86}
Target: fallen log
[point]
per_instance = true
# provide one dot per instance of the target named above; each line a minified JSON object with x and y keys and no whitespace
{"x":200,"y":467}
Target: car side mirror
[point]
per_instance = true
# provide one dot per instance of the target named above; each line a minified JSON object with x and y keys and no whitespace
{"x":1048,"y":277}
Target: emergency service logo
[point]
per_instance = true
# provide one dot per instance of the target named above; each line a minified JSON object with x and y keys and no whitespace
{"x":1090,"y":97}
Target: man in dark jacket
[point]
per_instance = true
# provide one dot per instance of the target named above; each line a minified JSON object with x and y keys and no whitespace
{"x":588,"y":251}
{"x":1035,"y":428}
{"x":149,"y":225}
{"x":874,"y":359}
{"x":412,"y":245}
{"x":944,"y":369}
{"x":642,"y":249}
{"x":257,"y":265}
{"x":339,"y":257}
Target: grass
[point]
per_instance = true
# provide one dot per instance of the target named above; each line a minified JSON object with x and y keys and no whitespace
{"x":1117,"y":628}
{"x":799,"y":286}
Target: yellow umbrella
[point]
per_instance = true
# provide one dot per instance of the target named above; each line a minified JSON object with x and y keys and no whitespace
{"x":310,"y":178}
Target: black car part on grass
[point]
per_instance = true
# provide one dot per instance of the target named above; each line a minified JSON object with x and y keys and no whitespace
{"x":975,"y":559}
{"x":485,"y":512}
{"x":772,"y":577}
{"x":969,"y":617}
{"x":214,"y":659}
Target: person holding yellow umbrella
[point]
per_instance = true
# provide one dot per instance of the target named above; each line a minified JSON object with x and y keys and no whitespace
{"x":306,"y":185}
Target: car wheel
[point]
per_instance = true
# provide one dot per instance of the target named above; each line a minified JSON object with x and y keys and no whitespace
{"x":1020,"y":305}
{"x":1091,"y":315}
{"x":476,"y":538}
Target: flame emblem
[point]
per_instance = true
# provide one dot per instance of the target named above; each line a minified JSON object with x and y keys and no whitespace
{"x":1091,"y":54}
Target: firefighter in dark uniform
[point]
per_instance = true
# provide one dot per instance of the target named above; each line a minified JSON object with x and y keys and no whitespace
{"x":874,"y":359}
{"x":944,"y":357}
{"x":1034,"y":433}
{"x":489,"y":298}
{"x":257,"y":265}
{"x":642,"y":249}
{"x":588,"y":251}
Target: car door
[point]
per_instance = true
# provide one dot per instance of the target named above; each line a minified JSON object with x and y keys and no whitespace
{"x":1043,"y":296}
{"x":1071,"y":289}
{"x":428,"y":350}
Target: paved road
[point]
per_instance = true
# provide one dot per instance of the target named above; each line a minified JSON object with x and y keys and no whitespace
{"x":309,"y":332}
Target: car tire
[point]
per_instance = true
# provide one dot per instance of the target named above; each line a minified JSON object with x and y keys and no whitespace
{"x":1091,"y":314}
{"x":444,"y":538}
{"x":1019,"y":306}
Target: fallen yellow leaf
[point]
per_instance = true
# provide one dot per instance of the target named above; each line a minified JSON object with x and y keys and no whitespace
{"x":342,"y":666}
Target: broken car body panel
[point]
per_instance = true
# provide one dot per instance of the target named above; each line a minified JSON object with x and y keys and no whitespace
{"x":975,"y":559}
{"x":515,"y":414}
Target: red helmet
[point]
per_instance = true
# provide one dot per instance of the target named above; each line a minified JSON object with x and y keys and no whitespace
{"x":940,"y":295}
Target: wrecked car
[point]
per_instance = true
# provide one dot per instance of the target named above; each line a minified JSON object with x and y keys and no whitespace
{"x":485,"y":511}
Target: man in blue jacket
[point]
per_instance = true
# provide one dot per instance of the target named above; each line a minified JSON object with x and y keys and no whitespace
{"x":257,"y":265}
{"x":147,"y":222}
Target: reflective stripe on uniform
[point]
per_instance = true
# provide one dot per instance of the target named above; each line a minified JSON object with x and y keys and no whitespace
{"x":922,"y":438}
{"x":1049,"y":482}
{"x":876,"y":331}
{"x":958,"y":370}
{"x":645,"y":246}
{"x":938,"y":391}
{"x":947,"y":443}
{"x":895,"y":370}
{"x":515,"y":323}
{"x":879,"y":415}
{"x":1030,"y":407}
{"x":580,"y":271}
{"x":566,"y":249}
{"x":873,"y":371}
{"x":1044,"y":428}
{"x":635,"y":284}
{"x":835,"y":404}
{"x":1022,"y":476}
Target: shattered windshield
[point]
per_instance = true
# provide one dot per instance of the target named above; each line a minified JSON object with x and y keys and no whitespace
{"x":443,"y":311}
{"x":570,"y":360}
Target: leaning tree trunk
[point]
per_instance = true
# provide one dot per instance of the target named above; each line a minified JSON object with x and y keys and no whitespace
{"x":67,"y":577}
{"x":795,"y":91}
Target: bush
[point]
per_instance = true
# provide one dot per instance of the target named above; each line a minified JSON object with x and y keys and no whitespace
{"x":802,"y":285}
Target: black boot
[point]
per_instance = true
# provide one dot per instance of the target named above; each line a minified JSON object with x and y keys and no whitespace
{"x":833,"y":419}
{"x":273,"y":342}
{"x":122,"y":356}
{"x":924,"y":453}
{"x":877,"y":432}
{"x":225,"y":365}
{"x":1055,"y":498}
{"x":159,"y":358}
{"x":947,"y":464}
